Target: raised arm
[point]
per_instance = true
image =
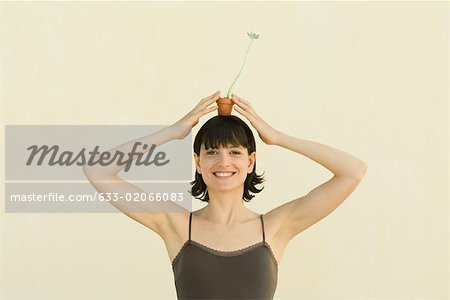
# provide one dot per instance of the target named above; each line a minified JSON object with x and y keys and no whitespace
{"x":295,"y":216}
{"x":105,"y":179}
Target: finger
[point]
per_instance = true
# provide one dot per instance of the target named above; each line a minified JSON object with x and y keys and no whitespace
{"x":213,"y":96}
{"x":210,"y":101}
{"x":208,"y":110}
{"x":241,"y":100}
{"x":246,"y":114}
{"x":217,"y":93}
{"x":246,"y":107}
{"x":238,"y":102}
{"x":241,"y":111}
{"x":205,"y":102}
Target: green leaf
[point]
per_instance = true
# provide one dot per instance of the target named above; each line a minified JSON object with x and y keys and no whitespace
{"x":252,"y":35}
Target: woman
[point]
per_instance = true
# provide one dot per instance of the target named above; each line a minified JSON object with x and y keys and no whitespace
{"x":225,"y":250}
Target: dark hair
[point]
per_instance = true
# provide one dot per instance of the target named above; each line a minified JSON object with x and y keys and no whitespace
{"x":225,"y":131}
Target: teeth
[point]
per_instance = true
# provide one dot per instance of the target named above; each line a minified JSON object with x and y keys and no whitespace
{"x":223,"y":174}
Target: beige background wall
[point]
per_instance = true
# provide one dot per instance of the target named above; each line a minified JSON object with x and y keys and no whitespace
{"x":369,"y":78}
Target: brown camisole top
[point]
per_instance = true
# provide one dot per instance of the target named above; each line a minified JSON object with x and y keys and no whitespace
{"x":201,"y":272}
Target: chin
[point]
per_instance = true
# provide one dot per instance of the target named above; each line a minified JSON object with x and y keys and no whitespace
{"x":224,"y":188}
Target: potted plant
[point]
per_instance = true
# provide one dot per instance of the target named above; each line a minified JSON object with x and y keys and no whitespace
{"x":226,"y":104}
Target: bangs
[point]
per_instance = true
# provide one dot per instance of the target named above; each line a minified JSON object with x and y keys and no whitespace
{"x":225,"y":136}
{"x":224,"y":131}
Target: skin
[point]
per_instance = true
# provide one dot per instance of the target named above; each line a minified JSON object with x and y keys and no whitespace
{"x":225,"y":205}
{"x":226,"y":217}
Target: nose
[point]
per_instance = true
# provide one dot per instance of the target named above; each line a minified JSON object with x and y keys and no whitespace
{"x":224,"y":159}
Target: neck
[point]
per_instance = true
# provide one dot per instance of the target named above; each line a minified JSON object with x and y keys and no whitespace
{"x":225,"y":208}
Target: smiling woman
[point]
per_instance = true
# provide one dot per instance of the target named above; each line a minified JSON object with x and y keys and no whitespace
{"x":225,"y":144}
{"x":236,"y":251}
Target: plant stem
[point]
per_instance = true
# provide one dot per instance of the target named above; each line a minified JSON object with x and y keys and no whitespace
{"x":245,"y":59}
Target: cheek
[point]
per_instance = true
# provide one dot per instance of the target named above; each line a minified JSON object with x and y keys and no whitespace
{"x":206,"y":165}
{"x":244,"y":164}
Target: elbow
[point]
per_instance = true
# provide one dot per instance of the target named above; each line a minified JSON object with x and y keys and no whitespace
{"x":362,"y":170}
{"x":355,"y":172}
{"x":90,"y":172}
{"x":87,"y":171}
{"x":94,"y":173}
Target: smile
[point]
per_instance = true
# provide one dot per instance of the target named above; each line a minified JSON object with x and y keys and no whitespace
{"x":224,"y":174}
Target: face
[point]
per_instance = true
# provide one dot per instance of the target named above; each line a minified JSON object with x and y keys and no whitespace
{"x":224,"y":168}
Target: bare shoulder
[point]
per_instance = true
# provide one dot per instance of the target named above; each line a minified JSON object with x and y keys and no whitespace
{"x":273,"y":221}
{"x":273,"y":224}
{"x":176,"y":223}
{"x":275,"y":227}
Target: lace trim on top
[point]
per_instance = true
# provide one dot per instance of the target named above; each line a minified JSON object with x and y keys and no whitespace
{"x":225,"y":253}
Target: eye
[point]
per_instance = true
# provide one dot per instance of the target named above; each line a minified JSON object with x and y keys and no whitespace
{"x":210,"y":152}
{"x":236,"y":152}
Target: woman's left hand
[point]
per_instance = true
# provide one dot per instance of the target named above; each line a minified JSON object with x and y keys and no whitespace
{"x":267,"y":134}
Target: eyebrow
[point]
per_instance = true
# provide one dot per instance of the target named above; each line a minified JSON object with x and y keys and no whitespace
{"x":236,"y":147}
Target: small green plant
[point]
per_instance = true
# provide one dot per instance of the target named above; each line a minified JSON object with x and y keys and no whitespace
{"x":253,"y":36}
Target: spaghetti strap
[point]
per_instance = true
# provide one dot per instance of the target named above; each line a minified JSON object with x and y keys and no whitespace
{"x":262,"y":223}
{"x":190,"y":221}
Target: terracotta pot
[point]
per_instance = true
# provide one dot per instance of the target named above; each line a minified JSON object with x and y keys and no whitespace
{"x":225,"y":106}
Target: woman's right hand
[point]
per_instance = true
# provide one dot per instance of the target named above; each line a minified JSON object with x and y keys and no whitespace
{"x":185,"y":124}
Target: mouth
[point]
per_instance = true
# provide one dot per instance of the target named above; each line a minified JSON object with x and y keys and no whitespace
{"x":223,"y":174}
